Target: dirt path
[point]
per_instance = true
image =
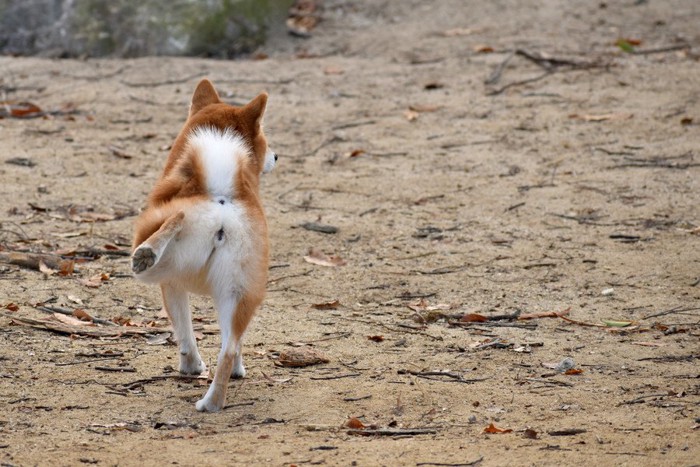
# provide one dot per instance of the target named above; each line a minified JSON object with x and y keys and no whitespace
{"x":574,"y":192}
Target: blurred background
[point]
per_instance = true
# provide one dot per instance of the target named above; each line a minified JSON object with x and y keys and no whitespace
{"x":128,"y":28}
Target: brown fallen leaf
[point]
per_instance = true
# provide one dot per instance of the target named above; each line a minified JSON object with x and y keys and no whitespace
{"x":45,"y":269}
{"x":301,"y":357}
{"x":473,"y":318}
{"x":355,"y":424}
{"x":95,"y":281}
{"x":12,"y":307}
{"x":19,"y":110}
{"x":483,"y":49}
{"x":529,"y":433}
{"x":332,"y":305}
{"x":573,"y":371}
{"x":319,"y":258}
{"x":82,"y":315}
{"x":356,"y":152}
{"x":376,"y":338}
{"x":545,"y":314}
{"x":493,"y":429}
{"x":71,"y":321}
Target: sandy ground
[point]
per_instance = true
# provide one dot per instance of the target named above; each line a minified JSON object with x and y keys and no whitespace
{"x":575,"y":192}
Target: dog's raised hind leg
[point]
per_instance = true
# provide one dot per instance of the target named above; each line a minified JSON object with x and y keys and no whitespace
{"x":148,"y":253}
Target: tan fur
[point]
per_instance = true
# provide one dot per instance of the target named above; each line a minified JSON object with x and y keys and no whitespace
{"x":182,"y":187}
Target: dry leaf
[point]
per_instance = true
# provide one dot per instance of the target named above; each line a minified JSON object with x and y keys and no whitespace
{"x":376,"y":338}
{"x":66,"y":267}
{"x":356,"y":152}
{"x":411,"y":115}
{"x":82,"y":315}
{"x":332,"y":70}
{"x":530,"y":434}
{"x":19,"y":109}
{"x":493,"y":429}
{"x":300,"y":357}
{"x":319,"y":258}
{"x":332,"y":305}
{"x":473,"y":318}
{"x":483,"y":49}
{"x":573,"y":371}
{"x":45,"y":269}
{"x":70,"y":320}
{"x":277,"y":380}
{"x":11,"y":307}
{"x":455,"y":32}
{"x":355,"y":424}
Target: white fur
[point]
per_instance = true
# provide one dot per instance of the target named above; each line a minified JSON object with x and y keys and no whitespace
{"x":220,"y":153}
{"x":270,"y":161}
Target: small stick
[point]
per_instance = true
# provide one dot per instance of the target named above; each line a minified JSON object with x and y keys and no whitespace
{"x":465,"y":464}
{"x":116,"y":369}
{"x":348,"y":375}
{"x":63,"y":311}
{"x":677,"y":309}
{"x":393,"y":432}
{"x":355,"y":399}
{"x":496,"y":75}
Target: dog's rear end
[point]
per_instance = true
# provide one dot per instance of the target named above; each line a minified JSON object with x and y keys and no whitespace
{"x":204,"y":229}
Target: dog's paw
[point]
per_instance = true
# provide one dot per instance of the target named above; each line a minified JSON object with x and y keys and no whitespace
{"x":238,"y":371}
{"x":143,"y":258}
{"x":191,"y":364}
{"x":209,"y":404}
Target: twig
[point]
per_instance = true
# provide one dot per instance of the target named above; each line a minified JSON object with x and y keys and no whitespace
{"x":496,"y":75}
{"x":447,"y":464}
{"x":353,"y":124}
{"x":671,"y":48}
{"x":116,"y":369}
{"x":63,"y":311}
{"x":551,"y":63}
{"x":393,"y":431}
{"x":553,"y":382}
{"x":677,"y":309}
{"x":91,"y":360}
{"x":164,"y":83}
{"x":567,"y":432}
{"x":454,"y":376}
{"x":500,"y":90}
{"x":641,"y":399}
{"x":355,"y":399}
{"x":347,"y":375}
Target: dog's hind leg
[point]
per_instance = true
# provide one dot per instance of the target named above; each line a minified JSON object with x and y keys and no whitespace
{"x":234,"y":316}
{"x":176,"y":304}
{"x":148,"y":253}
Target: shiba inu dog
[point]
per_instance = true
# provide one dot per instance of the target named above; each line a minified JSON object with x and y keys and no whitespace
{"x":204,"y":229}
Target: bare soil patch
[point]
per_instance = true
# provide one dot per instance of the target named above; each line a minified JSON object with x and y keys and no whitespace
{"x":565,"y":186}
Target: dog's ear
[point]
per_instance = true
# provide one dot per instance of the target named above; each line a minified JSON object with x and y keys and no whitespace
{"x":254,"y":111}
{"x":204,"y":95}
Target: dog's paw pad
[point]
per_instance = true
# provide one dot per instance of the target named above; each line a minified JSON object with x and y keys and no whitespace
{"x":143,"y":258}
